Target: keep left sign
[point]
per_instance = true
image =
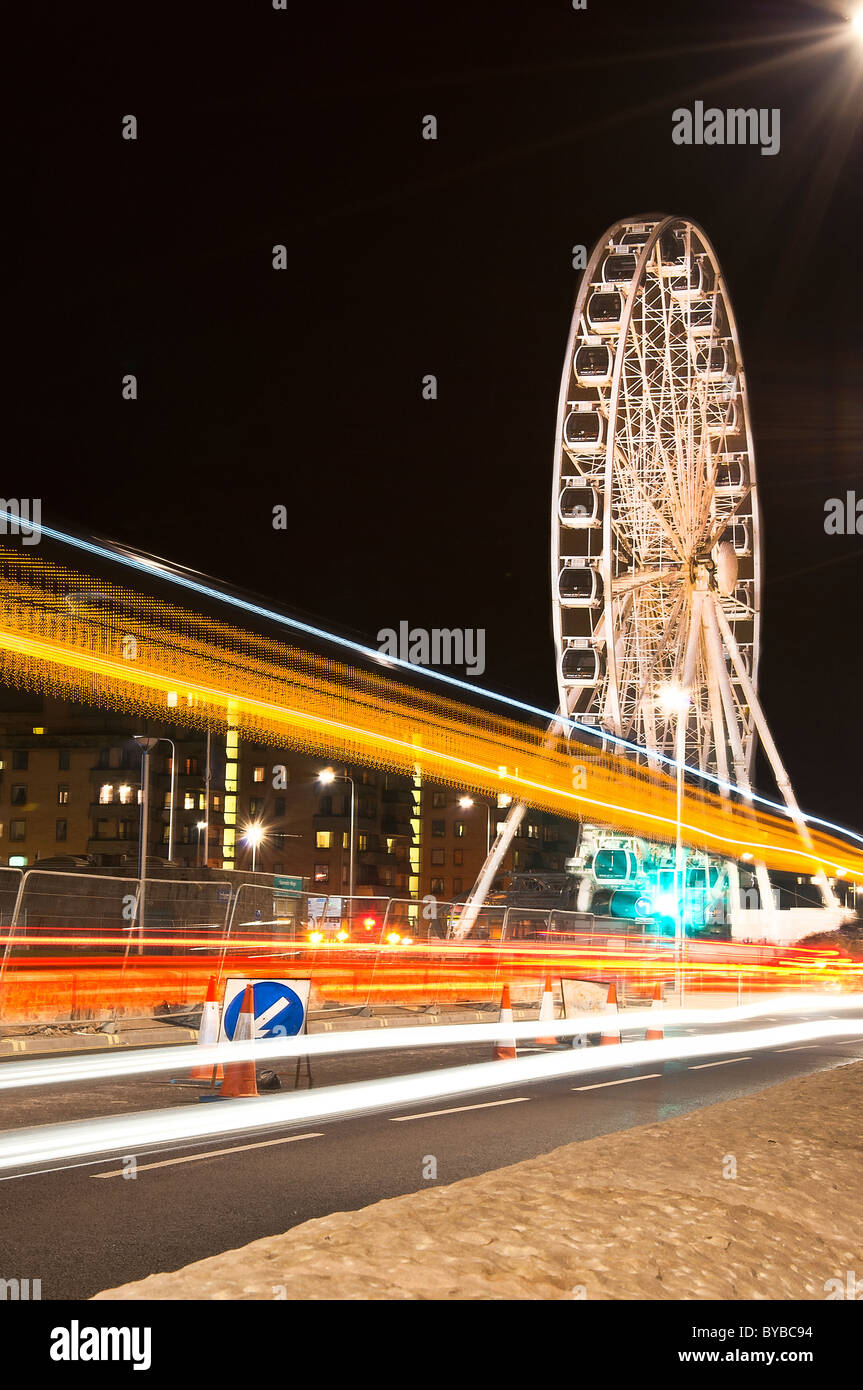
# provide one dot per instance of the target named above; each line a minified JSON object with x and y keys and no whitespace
{"x":281,"y":1007}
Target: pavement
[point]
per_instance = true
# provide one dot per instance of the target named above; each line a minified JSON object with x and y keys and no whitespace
{"x":85,"y":1226}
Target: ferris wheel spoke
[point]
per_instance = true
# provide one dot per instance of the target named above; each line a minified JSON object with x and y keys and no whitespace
{"x":635,"y":580}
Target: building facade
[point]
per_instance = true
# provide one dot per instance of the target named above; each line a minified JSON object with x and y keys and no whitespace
{"x":71,"y":788}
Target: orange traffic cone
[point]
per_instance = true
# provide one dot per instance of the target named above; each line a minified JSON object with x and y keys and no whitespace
{"x":208,"y":1035}
{"x":609,"y":1034}
{"x":546,"y":1014}
{"x":504,"y":1048}
{"x":656,"y":1034}
{"x":240,"y":1079}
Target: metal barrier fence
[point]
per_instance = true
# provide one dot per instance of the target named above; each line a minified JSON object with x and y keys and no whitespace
{"x":394,"y":952}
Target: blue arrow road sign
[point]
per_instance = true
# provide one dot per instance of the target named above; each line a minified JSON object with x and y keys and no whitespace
{"x":279,"y":1011}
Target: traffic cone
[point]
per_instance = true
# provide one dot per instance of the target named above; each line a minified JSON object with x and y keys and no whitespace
{"x":240,"y":1080}
{"x":546,"y":1013}
{"x":504,"y":1048}
{"x":609,"y":1034}
{"x":656,"y":1034}
{"x":208,"y":1035}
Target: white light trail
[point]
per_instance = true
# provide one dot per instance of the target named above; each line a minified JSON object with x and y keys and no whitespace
{"x":46,"y":1071}
{"x":113,"y":1134}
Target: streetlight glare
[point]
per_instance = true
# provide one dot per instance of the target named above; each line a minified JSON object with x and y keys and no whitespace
{"x":857,"y":21}
{"x":254,"y":834}
{"x":466,"y":802}
{"x":674,"y":698}
{"x":326,"y":775}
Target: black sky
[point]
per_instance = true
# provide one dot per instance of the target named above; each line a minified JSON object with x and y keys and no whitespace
{"x":409,"y":257}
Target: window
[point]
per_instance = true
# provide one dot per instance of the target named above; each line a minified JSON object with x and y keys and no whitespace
{"x":20,"y":759}
{"x":387,"y":878}
{"x":63,"y":794}
{"x":188,"y":801}
{"x":106,"y":794}
{"x":457,"y":885}
{"x":63,"y":759}
{"x":60,"y":833}
{"x":325,"y":806}
{"x":323,"y":839}
{"x":391,"y":845}
{"x":278,"y":866}
{"x":17,"y":829}
{"x":217,"y":802}
{"x":362,"y":843}
{"x":367,"y":807}
{"x":279,"y":806}
{"x":322,"y":873}
{"x":437,"y":886}
{"x":533,"y":832}
{"x":346,"y":839}
{"x":19,"y":795}
{"x":258,"y":773}
{"x":190,"y":767}
{"x":439,"y":800}
{"x":458,"y":829}
{"x":104,"y":829}
{"x":458,"y":856}
{"x":256,"y":806}
{"x":517,"y":858}
{"x":439,"y":829}
{"x":129,"y":830}
{"x":438,"y":856}
{"x":125,"y":795}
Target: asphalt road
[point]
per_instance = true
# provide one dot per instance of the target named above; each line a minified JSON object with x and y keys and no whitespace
{"x":83,"y":1227}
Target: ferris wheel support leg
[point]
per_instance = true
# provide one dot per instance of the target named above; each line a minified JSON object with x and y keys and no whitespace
{"x":718,"y":676}
{"x":783,"y":781}
{"x":495,"y":858}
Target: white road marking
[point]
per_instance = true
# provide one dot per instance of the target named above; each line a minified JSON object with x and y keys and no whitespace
{"x":726,"y":1062}
{"x":212,"y":1153}
{"x":804,"y":1047}
{"x":457,"y":1109}
{"x":623,"y":1081}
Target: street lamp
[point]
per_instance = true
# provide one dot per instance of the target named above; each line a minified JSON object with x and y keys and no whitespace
{"x":200,"y":826}
{"x":675,"y":699}
{"x":146,"y":746}
{"x":253,"y":836}
{"x":327,"y":776}
{"x":466,"y":802}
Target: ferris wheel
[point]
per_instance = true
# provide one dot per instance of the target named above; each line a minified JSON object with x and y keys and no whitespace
{"x":655,"y":532}
{"x":656,"y":572}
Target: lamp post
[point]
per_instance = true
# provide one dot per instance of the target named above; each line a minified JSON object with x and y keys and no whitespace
{"x":676,"y":700}
{"x":327,"y":776}
{"x":163,"y":739}
{"x":466,"y":802}
{"x":146,"y":746}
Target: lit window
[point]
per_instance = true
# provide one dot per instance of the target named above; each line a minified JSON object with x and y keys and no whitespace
{"x":38,"y":731}
{"x":125,"y":794}
{"x":323,"y":839}
{"x":258,"y":774}
{"x":362,"y":843}
{"x":322,"y":873}
{"x":63,"y":794}
{"x":106,"y":794}
{"x":189,"y":801}
{"x":437,"y":886}
{"x":458,"y":829}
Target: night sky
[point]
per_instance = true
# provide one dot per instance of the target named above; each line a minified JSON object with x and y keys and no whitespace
{"x":407,"y":257}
